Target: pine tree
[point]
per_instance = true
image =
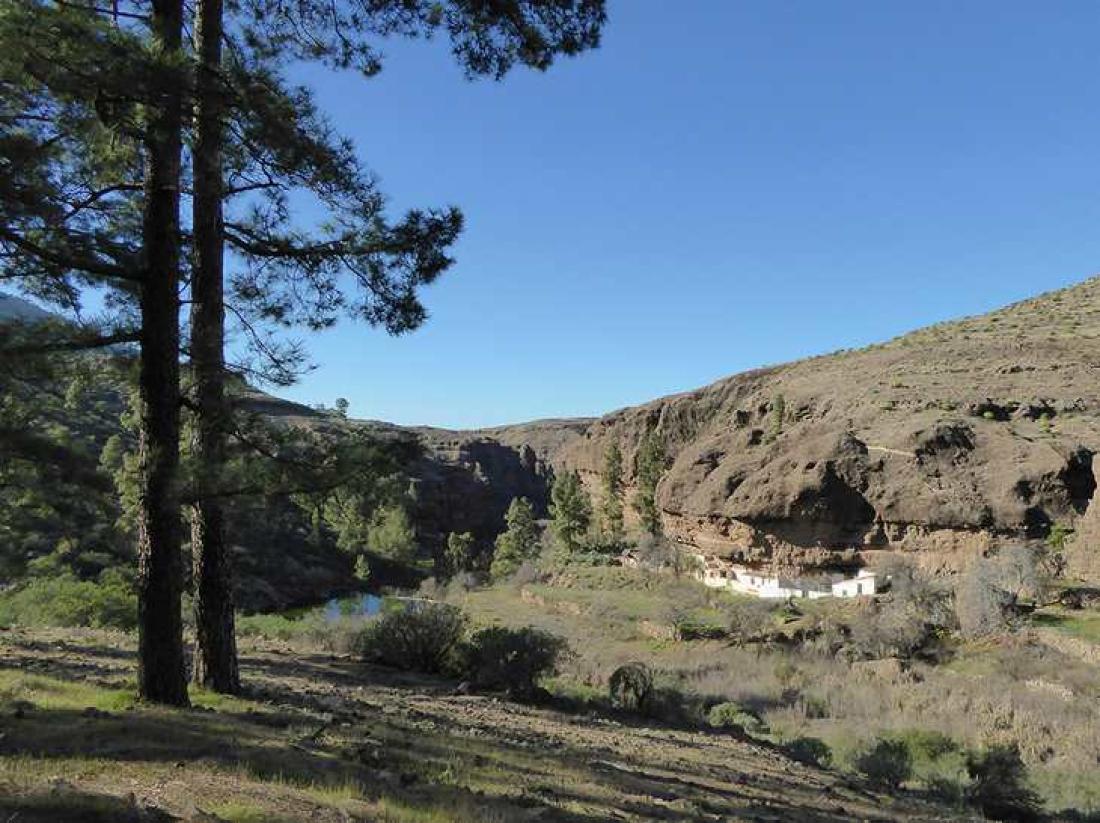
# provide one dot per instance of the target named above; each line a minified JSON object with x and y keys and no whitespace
{"x":160,"y":581}
{"x":291,"y":278}
{"x":95,"y":92}
{"x":570,"y":511}
{"x":518,"y":542}
{"x":611,"y":506}
{"x":459,"y":554}
{"x":391,"y":534}
{"x":215,"y":656}
{"x":649,"y":468}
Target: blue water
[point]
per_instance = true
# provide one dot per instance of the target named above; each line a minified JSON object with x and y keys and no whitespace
{"x":360,"y":605}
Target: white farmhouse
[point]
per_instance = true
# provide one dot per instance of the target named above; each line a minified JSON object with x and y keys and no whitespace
{"x":719,"y":573}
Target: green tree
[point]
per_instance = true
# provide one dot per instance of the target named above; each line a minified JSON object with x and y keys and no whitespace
{"x":518,"y":542}
{"x":611,"y":506}
{"x":94,"y":124}
{"x":459,"y":555}
{"x":1000,"y":788}
{"x":649,"y":468}
{"x":277,"y":145}
{"x":570,"y":511}
{"x":391,"y":533}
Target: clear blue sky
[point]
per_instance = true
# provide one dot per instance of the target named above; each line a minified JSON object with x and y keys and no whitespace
{"x":722,"y":185}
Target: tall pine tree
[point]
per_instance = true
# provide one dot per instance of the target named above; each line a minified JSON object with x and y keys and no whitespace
{"x":289,"y":147}
{"x":611,"y":505}
{"x":570,"y":511}
{"x":649,"y":468}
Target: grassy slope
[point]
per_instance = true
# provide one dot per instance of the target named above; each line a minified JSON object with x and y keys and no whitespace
{"x":1030,"y":688}
{"x":321,"y":738}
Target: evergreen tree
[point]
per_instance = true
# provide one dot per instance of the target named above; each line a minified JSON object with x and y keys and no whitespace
{"x":96,"y":96}
{"x":649,"y":468}
{"x":160,"y":581}
{"x":215,"y":656}
{"x":391,"y":534}
{"x":570,"y":511}
{"x":611,"y":506}
{"x":459,"y":556}
{"x":291,"y":277}
{"x":518,"y":542}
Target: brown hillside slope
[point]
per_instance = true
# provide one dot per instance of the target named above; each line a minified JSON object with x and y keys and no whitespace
{"x":946,"y":441}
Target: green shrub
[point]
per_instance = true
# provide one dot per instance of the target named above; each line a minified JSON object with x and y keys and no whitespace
{"x":809,"y":750}
{"x":109,"y":602}
{"x":999,"y":787}
{"x":926,"y":745}
{"x":733,"y":717}
{"x":512,"y":659}
{"x":423,"y":637}
{"x":886,"y":763}
{"x":362,"y":569}
{"x":631,"y":686}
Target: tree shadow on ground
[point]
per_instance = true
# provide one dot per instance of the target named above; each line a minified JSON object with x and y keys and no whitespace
{"x":331,"y":722}
{"x":71,"y":806}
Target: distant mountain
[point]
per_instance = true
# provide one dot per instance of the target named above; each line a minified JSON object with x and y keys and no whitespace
{"x":16,"y":308}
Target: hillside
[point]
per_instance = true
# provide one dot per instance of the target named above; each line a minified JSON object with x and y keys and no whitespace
{"x":17,"y":309}
{"x":324,"y":738}
{"x":943,"y":441}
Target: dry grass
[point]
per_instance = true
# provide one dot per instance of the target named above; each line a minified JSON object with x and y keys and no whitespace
{"x":323,"y":738}
{"x":1011,"y":690}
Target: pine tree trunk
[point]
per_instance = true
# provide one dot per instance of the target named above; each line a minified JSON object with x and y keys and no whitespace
{"x":161,"y":676}
{"x":216,"y":645}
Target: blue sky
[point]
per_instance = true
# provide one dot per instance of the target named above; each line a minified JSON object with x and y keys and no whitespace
{"x":722,"y":185}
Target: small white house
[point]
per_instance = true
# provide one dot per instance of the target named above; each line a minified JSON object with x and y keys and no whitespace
{"x":863,"y":583}
{"x":719,"y":573}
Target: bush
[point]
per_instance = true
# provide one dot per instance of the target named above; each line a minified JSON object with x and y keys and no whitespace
{"x":999,"y":789}
{"x":311,"y":628}
{"x":631,"y":687}
{"x":512,"y":659}
{"x":109,"y":602}
{"x":887,"y":763}
{"x":984,"y":608}
{"x":927,"y":745}
{"x":423,"y":637}
{"x":809,"y":750}
{"x":733,"y":717}
{"x":750,"y":619}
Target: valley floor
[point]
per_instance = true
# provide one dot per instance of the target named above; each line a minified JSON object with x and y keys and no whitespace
{"x":321,"y":737}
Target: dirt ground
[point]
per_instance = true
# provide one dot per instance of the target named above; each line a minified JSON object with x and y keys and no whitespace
{"x":323,"y":737}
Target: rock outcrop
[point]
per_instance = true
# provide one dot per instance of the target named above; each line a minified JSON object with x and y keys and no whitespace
{"x":945,"y":443}
{"x":942,"y":442}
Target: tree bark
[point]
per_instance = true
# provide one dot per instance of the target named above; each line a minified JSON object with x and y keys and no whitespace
{"x":161,"y":676}
{"x":216,"y":646}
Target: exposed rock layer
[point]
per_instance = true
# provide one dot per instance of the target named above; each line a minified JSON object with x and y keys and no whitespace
{"x":944,"y":442}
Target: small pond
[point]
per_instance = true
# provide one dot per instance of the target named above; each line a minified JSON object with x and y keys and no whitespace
{"x":358,"y":605}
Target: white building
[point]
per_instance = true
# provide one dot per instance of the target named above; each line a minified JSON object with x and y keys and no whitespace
{"x":719,"y":573}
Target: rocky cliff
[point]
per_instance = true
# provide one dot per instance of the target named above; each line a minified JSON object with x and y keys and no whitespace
{"x":943,"y":442}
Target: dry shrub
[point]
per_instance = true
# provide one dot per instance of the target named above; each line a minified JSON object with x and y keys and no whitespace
{"x":631,"y":686}
{"x":422,"y":637}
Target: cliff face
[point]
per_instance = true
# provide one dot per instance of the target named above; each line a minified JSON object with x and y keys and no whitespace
{"x":465,"y":481}
{"x":943,"y":442}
